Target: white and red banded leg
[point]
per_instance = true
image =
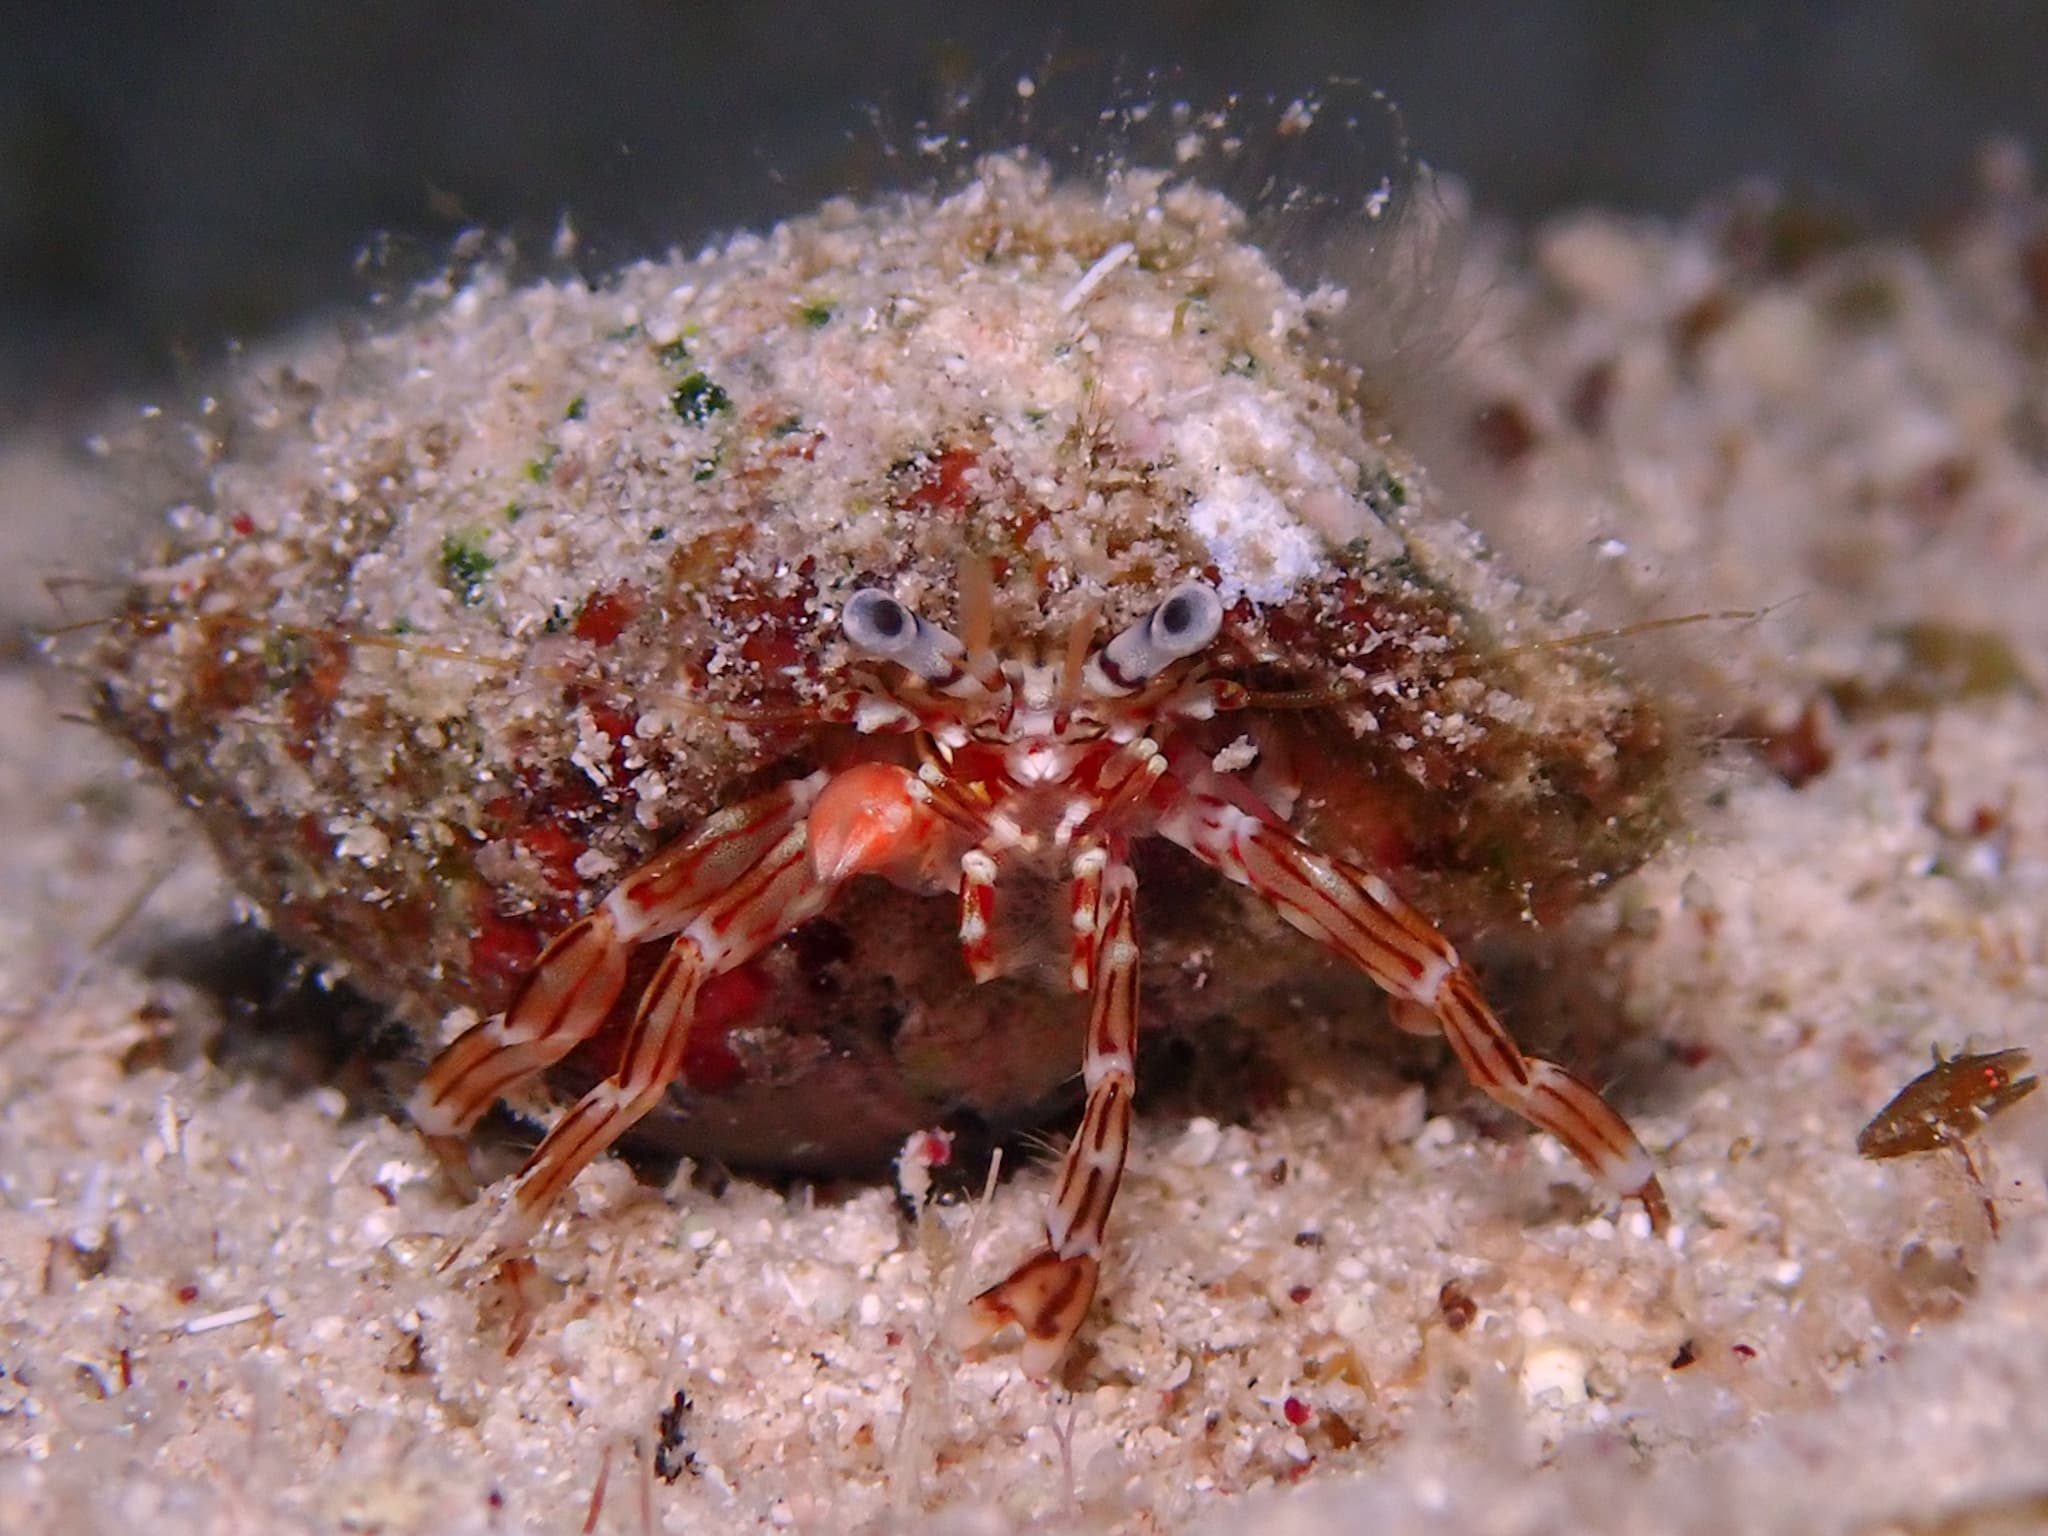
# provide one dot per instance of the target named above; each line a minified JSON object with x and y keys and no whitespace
{"x":576,"y":982}
{"x":1359,"y":916}
{"x":867,"y":819}
{"x":1085,"y":914}
{"x":978,"y":914}
{"x":1125,"y":780}
{"x":773,"y":896}
{"x":1049,"y":1293}
{"x":747,"y":877}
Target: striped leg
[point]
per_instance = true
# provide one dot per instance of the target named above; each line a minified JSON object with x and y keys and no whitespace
{"x":867,"y":818}
{"x":1359,"y":916}
{"x":1125,"y":781}
{"x":978,"y":914}
{"x":776,"y":894}
{"x":576,"y":982}
{"x":1085,"y":914}
{"x":1049,"y":1293}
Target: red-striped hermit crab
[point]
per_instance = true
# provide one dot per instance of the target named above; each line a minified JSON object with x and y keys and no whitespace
{"x":1043,"y":765}
{"x":567,"y":660}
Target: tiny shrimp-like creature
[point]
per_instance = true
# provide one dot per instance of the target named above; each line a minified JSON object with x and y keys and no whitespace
{"x":988,"y":765}
{"x":1948,"y":1104}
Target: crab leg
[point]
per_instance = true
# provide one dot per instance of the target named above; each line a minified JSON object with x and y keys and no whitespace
{"x":978,"y":914}
{"x":576,"y":982}
{"x":1358,"y":915}
{"x":776,"y":894}
{"x":1084,"y":905}
{"x":1125,"y":780}
{"x":868,"y":818}
{"x":749,"y":875}
{"x":1049,"y":1293}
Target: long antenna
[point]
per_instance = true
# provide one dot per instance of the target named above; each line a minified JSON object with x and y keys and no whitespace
{"x":1651,"y":626}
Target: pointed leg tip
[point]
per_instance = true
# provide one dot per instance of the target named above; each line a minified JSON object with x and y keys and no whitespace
{"x":422,"y":1111}
{"x":1041,"y":1358}
{"x":493,"y":1231}
{"x":974,"y":1325}
{"x":432,"y":1106}
{"x":1652,"y":1195}
{"x":1046,"y":1296}
{"x":449,"y":1260}
{"x":500,"y":1229}
{"x":452,"y":1154}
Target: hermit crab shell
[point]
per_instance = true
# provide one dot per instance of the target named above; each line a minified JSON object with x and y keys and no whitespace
{"x":476,"y":612}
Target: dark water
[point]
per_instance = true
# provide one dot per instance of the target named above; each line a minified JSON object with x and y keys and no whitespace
{"x":171,"y":175}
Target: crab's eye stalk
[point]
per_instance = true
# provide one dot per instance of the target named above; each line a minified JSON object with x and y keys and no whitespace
{"x":1178,"y":628}
{"x":876,"y":623}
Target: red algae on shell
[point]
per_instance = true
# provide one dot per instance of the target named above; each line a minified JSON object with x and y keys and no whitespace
{"x":478,"y":611}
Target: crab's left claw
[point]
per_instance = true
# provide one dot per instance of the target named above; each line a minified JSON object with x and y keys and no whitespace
{"x":871,"y":819}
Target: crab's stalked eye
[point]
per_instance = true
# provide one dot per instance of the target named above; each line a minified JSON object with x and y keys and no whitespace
{"x":1186,"y":621}
{"x":876,"y":623}
{"x":1179,"y":627}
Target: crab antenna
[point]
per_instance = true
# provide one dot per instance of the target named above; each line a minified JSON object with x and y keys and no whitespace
{"x":1080,"y":642}
{"x":978,"y":617}
{"x":1651,"y":626}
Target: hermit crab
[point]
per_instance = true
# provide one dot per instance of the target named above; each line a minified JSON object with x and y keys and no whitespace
{"x":750,"y":696}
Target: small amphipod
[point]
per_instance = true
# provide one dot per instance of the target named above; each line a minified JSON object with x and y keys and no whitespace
{"x":1948,"y":1104}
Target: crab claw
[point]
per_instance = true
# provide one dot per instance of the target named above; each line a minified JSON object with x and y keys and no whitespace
{"x":869,"y":818}
{"x":1047,"y":1296}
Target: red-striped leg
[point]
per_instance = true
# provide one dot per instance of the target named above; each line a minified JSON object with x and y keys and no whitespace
{"x":1124,"y":781}
{"x":1084,"y":904}
{"x":978,"y":914}
{"x":1049,"y":1293}
{"x":576,"y":982}
{"x":769,"y":899}
{"x":748,"y":876}
{"x":869,"y":818}
{"x":1359,"y":916}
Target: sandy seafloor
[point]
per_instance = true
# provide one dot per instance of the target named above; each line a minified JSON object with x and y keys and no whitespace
{"x":220,"y":1308}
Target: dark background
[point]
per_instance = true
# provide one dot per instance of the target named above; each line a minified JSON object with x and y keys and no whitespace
{"x":174,"y":174}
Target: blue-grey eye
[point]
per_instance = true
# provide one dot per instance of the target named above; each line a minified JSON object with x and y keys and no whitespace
{"x":876,"y":623}
{"x":1188,"y":619}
